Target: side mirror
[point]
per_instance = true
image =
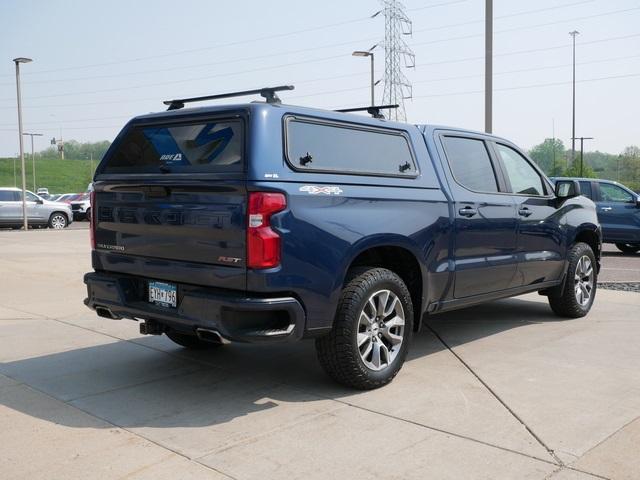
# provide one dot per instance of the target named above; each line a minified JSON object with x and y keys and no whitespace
{"x":567,"y":189}
{"x":39,"y":201}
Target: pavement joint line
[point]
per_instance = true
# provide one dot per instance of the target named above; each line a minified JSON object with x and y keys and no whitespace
{"x":551,"y":474}
{"x":321,"y":396}
{"x":569,"y":467}
{"x":497,"y":397}
{"x":280,"y":428}
{"x":40,"y":317}
{"x":607,"y":438}
{"x":312,"y":393}
{"x":557,"y":461}
{"x":124,"y":387}
{"x":115,"y":425}
{"x":447,"y":432}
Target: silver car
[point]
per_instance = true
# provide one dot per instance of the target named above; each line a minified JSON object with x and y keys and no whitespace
{"x":40,"y":212}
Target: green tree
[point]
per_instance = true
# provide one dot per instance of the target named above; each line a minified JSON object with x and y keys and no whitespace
{"x":550,"y":156}
{"x":629,"y":167}
{"x":74,"y":150}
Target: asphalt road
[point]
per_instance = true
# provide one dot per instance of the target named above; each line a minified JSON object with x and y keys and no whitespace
{"x":505,"y":390}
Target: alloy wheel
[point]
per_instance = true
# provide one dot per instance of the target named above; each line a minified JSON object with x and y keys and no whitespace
{"x":380,"y":330}
{"x":58,"y":222}
{"x":584,"y":280}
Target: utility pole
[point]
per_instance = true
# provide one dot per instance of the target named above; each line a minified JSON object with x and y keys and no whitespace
{"x":488,"y":66}
{"x":582,"y":139}
{"x":573,"y":120}
{"x":553,"y":132}
{"x":33,"y":158}
{"x":18,"y":61}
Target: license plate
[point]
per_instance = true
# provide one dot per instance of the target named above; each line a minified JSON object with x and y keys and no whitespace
{"x":164,"y":294}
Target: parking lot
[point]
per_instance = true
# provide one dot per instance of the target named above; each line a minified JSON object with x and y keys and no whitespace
{"x":503,"y":390}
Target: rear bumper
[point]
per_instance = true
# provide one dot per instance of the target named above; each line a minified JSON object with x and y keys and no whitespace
{"x":236,"y":316}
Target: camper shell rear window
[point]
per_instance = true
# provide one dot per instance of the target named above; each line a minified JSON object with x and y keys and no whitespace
{"x":211,"y":146}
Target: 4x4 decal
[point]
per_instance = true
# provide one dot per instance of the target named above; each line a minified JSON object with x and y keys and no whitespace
{"x":326,"y":190}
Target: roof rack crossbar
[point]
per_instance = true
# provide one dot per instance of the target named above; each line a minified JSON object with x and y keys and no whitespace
{"x":373,"y":110}
{"x":269,"y":93}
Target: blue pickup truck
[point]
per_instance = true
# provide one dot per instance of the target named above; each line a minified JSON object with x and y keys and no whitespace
{"x":618,"y":211}
{"x":266,"y":222}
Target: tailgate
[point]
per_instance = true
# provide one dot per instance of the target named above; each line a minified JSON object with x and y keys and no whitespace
{"x":175,"y":231}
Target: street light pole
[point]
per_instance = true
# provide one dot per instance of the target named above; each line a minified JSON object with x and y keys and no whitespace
{"x":573,"y":120}
{"x":582,"y":139}
{"x":369,"y":53}
{"x":488,"y":66}
{"x":18,"y":61}
{"x":33,"y":158}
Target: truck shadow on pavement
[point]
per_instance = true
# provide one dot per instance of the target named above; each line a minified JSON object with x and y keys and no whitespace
{"x":150,"y":382}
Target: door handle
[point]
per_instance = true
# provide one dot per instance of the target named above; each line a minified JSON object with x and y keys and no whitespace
{"x":525,"y":212}
{"x":606,"y":209}
{"x":467,"y":211}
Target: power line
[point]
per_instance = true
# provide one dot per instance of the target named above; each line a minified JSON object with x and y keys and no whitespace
{"x":258,"y":39}
{"x":228,"y":44}
{"x":538,"y":85}
{"x":500,"y":17}
{"x":200,"y":49}
{"x":278,"y":54}
{"x":183,"y":80}
{"x":476,"y":75}
{"x":169,"y":69}
{"x":227,"y":74}
{"x":532,"y":50}
{"x":468,"y":92}
{"x":527,"y":27}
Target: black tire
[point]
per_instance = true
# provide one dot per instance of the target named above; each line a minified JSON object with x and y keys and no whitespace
{"x":566,"y":302}
{"x":191,"y":342}
{"x":338,"y":351}
{"x":87,"y":215}
{"x":58,"y":221}
{"x":628,"y":247}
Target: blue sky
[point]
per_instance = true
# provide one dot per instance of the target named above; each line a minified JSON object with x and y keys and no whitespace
{"x":96,"y":64}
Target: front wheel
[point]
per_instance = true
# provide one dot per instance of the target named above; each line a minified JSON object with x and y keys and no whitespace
{"x":372,"y":330}
{"x":628,"y":247}
{"x":579,"y":291}
{"x":58,"y":221}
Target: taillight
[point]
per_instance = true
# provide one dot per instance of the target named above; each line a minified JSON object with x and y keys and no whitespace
{"x":263,"y":244}
{"x":92,"y":218}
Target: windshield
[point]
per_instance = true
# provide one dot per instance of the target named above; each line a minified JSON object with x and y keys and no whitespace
{"x":215,"y":146}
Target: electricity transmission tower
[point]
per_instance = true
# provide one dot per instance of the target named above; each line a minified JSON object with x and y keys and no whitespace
{"x":397,"y":55}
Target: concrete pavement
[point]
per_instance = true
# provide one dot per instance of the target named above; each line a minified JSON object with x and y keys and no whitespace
{"x":504,"y":390}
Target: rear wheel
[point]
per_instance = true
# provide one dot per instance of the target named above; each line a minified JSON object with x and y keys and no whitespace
{"x":87,"y":215}
{"x":190,"y":341}
{"x":579,"y":290}
{"x":628,"y":247}
{"x":58,"y":221}
{"x":372,"y":330}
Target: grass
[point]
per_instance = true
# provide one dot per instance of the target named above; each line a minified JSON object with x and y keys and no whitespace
{"x":59,"y":176}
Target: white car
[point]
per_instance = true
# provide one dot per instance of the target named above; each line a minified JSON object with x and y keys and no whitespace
{"x":81,"y":207}
{"x":40,"y":212}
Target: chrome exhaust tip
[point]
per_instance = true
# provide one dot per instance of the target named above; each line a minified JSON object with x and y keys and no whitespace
{"x":211,"y":336}
{"x":107,"y":313}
